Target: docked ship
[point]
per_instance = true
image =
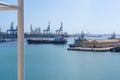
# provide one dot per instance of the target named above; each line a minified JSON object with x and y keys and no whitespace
{"x":109,"y":44}
{"x":79,"y":41}
{"x":56,"y":40}
{"x":116,"y":49}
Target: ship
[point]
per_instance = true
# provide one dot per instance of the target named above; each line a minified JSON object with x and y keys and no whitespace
{"x":116,"y":49}
{"x":79,"y":41}
{"x":56,"y":40}
{"x":111,"y":44}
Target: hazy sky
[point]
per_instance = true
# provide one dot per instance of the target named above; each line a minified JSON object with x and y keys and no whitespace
{"x":93,"y":16}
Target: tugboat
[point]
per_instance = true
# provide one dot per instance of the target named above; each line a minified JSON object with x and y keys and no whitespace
{"x":56,"y":40}
{"x":116,"y":49}
{"x":113,"y":36}
{"x":77,"y":42}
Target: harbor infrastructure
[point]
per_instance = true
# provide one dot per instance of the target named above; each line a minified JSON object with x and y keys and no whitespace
{"x":47,"y":31}
{"x":20,"y":18}
{"x":12,"y":33}
{"x":37,"y":32}
{"x":9,"y":35}
{"x":60,"y":31}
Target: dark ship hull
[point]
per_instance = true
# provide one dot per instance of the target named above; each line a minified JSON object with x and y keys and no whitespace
{"x":74,"y":45}
{"x":30,"y":41}
{"x":116,"y":49}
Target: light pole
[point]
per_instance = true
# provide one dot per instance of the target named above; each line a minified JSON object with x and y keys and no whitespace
{"x":20,"y":19}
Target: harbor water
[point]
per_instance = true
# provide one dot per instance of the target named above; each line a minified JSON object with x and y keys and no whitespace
{"x":55,"y":62}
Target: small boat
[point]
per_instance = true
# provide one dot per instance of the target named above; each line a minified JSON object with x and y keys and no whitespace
{"x":113,"y":36}
{"x":116,"y":49}
{"x":57,"y":40}
{"x":77,"y":42}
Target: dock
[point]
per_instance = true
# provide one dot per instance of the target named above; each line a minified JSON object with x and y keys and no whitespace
{"x":90,"y":49}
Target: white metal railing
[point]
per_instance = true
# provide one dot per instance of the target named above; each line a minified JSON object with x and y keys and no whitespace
{"x":20,"y":18}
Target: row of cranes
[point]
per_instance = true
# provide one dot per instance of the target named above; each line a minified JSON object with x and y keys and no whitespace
{"x":11,"y":33}
{"x":47,"y":30}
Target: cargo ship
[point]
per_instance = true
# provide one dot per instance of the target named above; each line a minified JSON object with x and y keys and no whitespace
{"x":56,"y":40}
{"x":110,"y":44}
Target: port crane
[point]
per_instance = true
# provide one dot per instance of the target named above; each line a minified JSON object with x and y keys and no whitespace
{"x":12,"y":33}
{"x":59,"y":31}
{"x":47,"y":31}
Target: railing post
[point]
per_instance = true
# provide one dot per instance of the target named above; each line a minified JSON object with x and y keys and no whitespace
{"x":20,"y":40}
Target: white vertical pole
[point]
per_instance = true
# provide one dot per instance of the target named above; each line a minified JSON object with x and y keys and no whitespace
{"x":20,"y":40}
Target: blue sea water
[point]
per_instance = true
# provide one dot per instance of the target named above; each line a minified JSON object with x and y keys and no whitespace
{"x":55,"y":62}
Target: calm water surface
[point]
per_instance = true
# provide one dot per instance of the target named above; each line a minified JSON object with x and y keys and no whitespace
{"x":55,"y":62}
